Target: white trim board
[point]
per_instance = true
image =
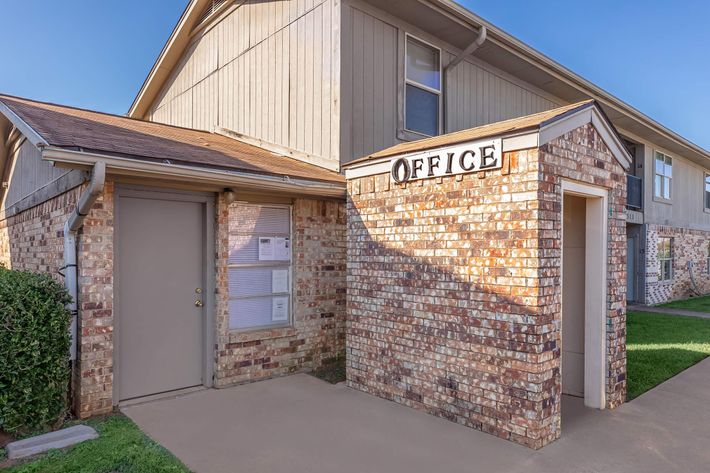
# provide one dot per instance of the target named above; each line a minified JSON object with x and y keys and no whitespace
{"x":547,"y":132}
{"x":35,"y":138}
{"x":596,"y":296}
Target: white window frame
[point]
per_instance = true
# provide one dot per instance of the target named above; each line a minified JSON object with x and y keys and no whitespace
{"x":270,"y":264}
{"x":412,"y":134}
{"x":656,"y":192}
{"x":661,"y":277}
{"x":706,"y":176}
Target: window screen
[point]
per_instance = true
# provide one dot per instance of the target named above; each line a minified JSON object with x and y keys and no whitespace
{"x":423,"y":88}
{"x":259,"y":266}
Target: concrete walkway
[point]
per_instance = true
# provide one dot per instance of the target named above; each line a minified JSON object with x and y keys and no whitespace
{"x":668,"y":311}
{"x":301,"y":424}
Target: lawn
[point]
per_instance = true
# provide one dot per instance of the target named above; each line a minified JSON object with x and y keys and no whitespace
{"x":698,"y":304}
{"x":661,"y":346}
{"x":121,"y":447}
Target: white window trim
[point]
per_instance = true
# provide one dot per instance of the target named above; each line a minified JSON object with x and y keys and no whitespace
{"x":407,"y":133}
{"x":660,"y":198}
{"x":287,"y":323}
{"x":706,"y":174}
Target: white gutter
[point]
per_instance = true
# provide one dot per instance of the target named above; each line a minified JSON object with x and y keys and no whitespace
{"x":217,"y":177}
{"x":560,"y":72}
{"x":477,"y":43}
{"x":72,"y":225}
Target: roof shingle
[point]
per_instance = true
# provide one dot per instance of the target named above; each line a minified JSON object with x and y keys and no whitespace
{"x":78,"y":129}
{"x":485,"y":131}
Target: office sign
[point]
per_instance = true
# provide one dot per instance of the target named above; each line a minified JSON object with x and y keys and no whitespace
{"x":460,"y":159}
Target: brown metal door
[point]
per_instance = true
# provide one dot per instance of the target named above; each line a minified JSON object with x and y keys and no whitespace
{"x":160,"y":264}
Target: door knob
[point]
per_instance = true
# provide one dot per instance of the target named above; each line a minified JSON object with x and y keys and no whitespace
{"x":198,"y":303}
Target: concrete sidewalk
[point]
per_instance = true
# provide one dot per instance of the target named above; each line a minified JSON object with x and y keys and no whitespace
{"x":301,"y":424}
{"x":668,"y":311}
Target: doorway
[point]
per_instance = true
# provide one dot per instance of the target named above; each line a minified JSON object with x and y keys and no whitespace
{"x":631,"y":268}
{"x":161,"y":292}
{"x":584,"y":301}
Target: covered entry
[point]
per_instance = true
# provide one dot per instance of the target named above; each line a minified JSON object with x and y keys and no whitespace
{"x":584,"y":299}
{"x":162,"y":248}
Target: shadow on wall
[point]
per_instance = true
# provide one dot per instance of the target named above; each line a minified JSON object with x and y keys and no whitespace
{"x":421,"y":332}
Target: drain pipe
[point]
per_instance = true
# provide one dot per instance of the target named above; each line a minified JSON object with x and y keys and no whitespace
{"x":72,"y":225}
{"x":477,"y":43}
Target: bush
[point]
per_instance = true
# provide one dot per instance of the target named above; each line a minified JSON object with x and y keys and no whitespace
{"x":34,"y":351}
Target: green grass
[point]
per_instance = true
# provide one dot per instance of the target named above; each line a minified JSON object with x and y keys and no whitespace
{"x":698,"y":304}
{"x":661,"y":346}
{"x":121,"y":447}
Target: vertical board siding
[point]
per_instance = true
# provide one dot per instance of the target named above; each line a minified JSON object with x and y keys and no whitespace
{"x":475,"y":94}
{"x":28,"y":174}
{"x":370,"y":52}
{"x":266,"y":71}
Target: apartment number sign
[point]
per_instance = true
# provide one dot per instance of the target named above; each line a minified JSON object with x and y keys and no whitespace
{"x":461,"y":159}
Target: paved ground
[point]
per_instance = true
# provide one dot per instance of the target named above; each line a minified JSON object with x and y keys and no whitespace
{"x":301,"y":424}
{"x":668,"y":311}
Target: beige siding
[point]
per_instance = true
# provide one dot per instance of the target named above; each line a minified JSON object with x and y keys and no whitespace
{"x":28,"y":173}
{"x":686,"y":208}
{"x":267,"y":71}
{"x":372,"y":73}
{"x":476,"y":96}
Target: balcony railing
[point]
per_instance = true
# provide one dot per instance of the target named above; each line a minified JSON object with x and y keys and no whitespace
{"x":634,"y":192}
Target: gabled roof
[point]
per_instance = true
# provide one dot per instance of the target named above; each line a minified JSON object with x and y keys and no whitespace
{"x":74,"y":129}
{"x":542,"y":127}
{"x":501,"y":49}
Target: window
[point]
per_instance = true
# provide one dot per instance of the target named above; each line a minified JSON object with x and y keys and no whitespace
{"x":665,"y":259}
{"x":259,"y":266}
{"x":707,"y":191}
{"x":663,"y":176}
{"x":422,"y":88}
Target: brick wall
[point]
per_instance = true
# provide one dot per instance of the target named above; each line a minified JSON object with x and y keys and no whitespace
{"x":688,"y":246}
{"x":33,"y":240}
{"x":318,"y":329}
{"x":93,"y":383}
{"x":453,"y":289}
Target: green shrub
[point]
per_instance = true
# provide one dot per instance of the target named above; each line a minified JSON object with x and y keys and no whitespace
{"x":34,"y":351}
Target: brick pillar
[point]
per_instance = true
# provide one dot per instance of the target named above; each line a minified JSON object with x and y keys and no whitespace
{"x":93,"y":374}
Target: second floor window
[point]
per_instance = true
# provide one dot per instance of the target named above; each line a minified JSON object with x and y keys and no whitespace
{"x":422,"y":88}
{"x":665,"y":259}
{"x":663,"y":176}
{"x":707,"y":191}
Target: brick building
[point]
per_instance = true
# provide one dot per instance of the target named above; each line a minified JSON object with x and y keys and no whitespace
{"x":458,"y":303}
{"x":210,"y":237}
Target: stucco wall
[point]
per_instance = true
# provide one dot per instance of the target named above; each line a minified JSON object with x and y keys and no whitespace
{"x":454,"y":289}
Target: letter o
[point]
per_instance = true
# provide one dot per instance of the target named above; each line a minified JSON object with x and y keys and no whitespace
{"x":401,"y":164}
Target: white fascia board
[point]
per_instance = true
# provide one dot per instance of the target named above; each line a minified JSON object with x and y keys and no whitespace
{"x":178,"y":32}
{"x":35,"y":138}
{"x":560,"y":126}
{"x":222,"y":178}
{"x":383,"y":165}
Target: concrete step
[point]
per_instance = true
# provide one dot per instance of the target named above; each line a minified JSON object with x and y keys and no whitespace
{"x":41,"y":443}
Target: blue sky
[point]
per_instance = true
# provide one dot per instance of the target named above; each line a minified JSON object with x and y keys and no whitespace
{"x":652,"y":54}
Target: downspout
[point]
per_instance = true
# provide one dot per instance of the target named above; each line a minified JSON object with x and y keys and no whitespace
{"x":72,"y":225}
{"x":477,"y":43}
